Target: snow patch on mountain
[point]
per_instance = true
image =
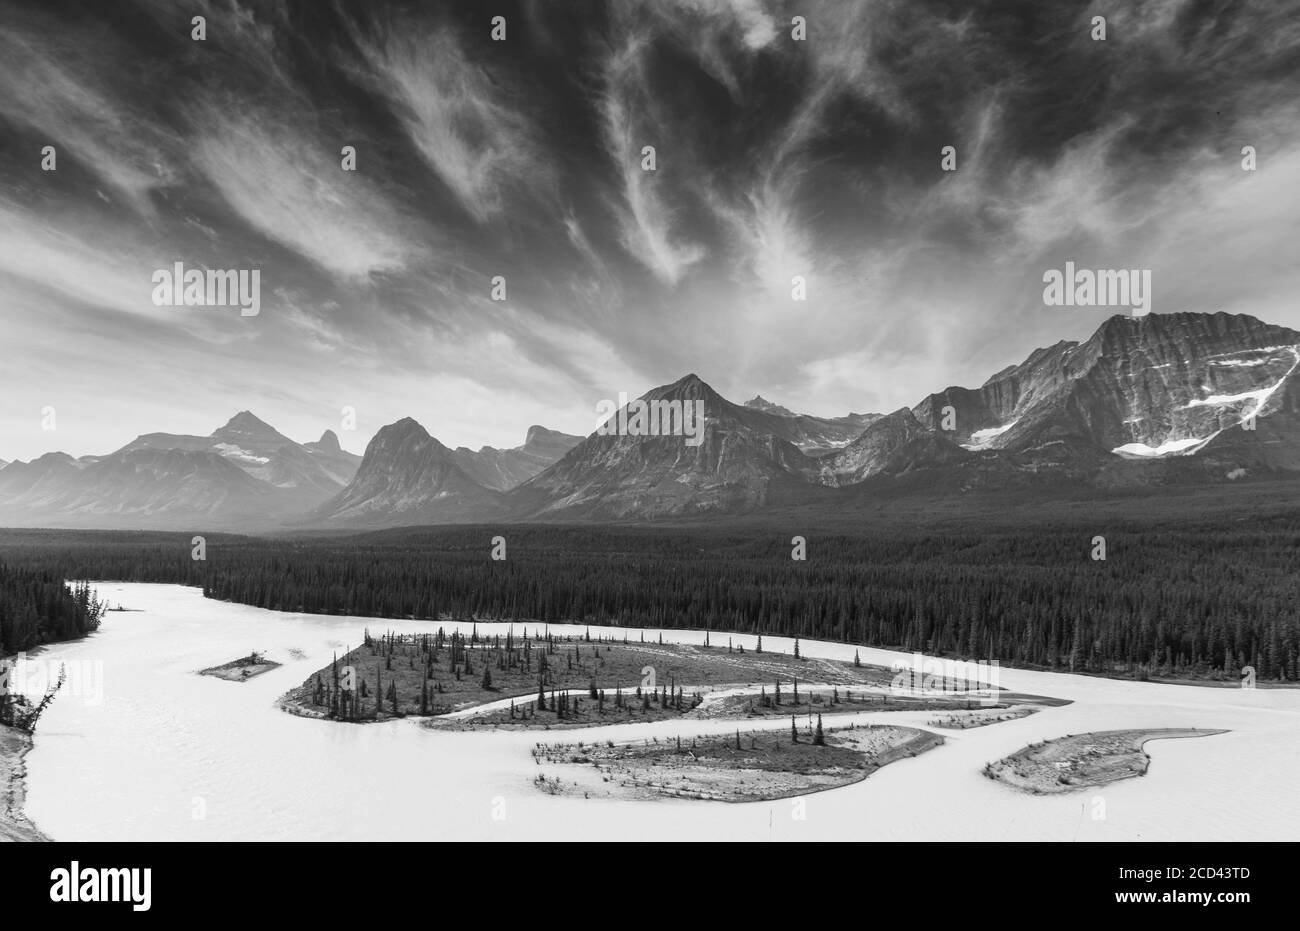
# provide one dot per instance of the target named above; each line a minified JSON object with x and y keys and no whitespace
{"x":983,"y":438}
{"x":231,"y":451}
{"x":1259,"y":396}
{"x":1167,"y":448}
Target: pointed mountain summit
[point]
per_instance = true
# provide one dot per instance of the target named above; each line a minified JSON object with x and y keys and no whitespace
{"x":726,"y":461}
{"x":759,"y":403}
{"x":407,"y":477}
{"x":247,"y":426}
{"x":814,"y":435}
{"x":332,"y":459}
{"x":328,"y":443}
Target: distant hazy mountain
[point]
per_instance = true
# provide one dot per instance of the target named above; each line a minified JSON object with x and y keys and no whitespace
{"x":408,"y":477}
{"x":316,"y":470}
{"x":815,"y":435}
{"x":139,"y":488}
{"x":503,"y":469}
{"x":246,"y":475}
{"x":894,"y":443}
{"x":339,"y":464}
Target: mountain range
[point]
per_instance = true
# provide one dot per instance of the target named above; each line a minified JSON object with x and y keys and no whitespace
{"x":1144,"y":402}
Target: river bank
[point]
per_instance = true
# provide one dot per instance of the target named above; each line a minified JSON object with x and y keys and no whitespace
{"x":14,"y":825}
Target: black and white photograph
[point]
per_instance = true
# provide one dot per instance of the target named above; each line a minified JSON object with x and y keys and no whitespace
{"x":651,"y":422}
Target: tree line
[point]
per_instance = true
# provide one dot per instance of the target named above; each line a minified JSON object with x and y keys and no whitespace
{"x":1196,"y":599}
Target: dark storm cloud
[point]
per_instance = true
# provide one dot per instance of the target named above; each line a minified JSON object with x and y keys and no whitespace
{"x":522,"y":158}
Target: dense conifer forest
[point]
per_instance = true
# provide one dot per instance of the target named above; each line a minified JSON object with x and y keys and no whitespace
{"x":36,"y":606}
{"x":1188,"y":599}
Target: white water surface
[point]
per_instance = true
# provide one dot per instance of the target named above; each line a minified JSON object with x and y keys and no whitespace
{"x":171,"y":755}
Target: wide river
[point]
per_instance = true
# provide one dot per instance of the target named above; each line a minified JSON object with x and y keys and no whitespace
{"x":167,"y":754}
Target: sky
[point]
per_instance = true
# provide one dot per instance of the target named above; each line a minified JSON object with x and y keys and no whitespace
{"x":775,"y":157}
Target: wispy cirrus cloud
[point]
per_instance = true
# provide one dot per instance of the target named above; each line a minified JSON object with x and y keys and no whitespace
{"x":51,"y":83}
{"x":462,"y":120}
{"x":776,"y":158}
{"x":630,"y":120}
{"x":298,"y":195}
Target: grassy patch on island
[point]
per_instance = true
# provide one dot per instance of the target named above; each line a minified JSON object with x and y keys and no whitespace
{"x":738,"y":767}
{"x":611,"y":679}
{"x":1080,"y":761}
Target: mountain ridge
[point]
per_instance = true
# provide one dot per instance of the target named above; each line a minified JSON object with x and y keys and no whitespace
{"x":1143,"y":403}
